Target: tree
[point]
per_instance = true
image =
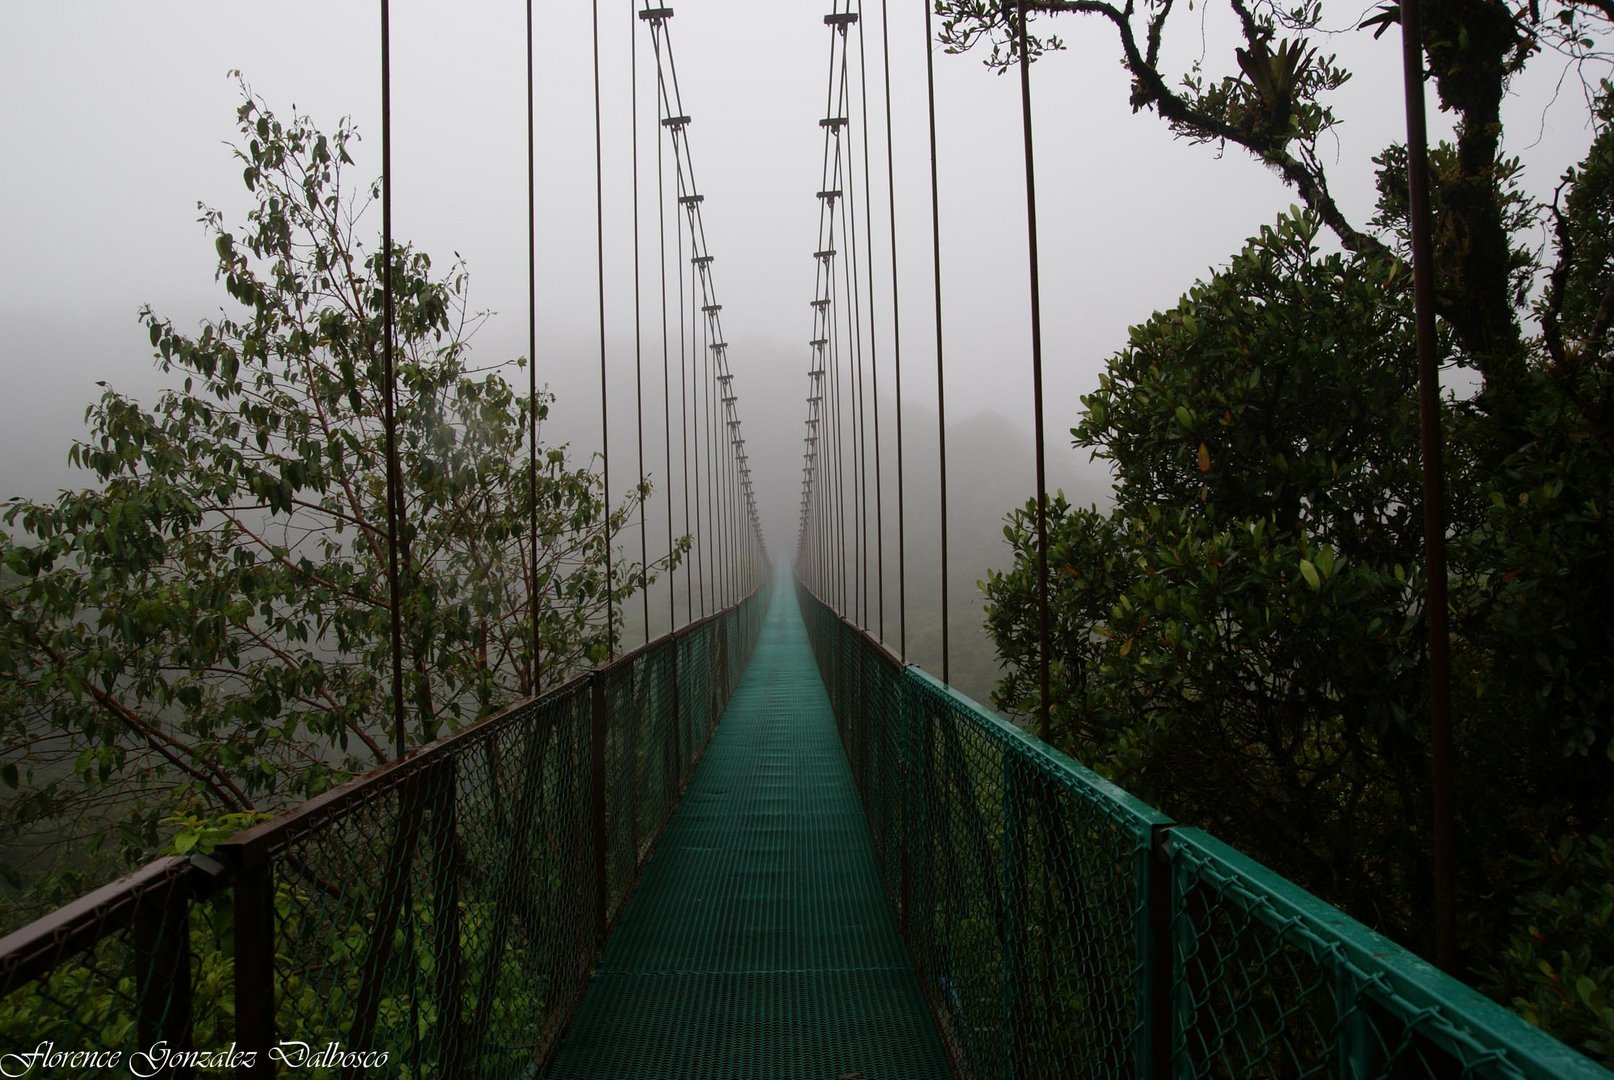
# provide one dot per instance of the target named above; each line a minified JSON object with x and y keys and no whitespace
{"x":1263,"y":436}
{"x":1240,"y":639}
{"x":206,"y":631}
{"x":1273,"y":101}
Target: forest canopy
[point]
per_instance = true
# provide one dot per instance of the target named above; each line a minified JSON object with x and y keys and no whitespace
{"x":1240,"y":638}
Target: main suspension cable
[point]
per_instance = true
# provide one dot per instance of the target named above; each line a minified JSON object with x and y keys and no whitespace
{"x":722,"y":449}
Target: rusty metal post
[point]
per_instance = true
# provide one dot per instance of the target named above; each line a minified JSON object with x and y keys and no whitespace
{"x":162,"y":936}
{"x":448,"y":974}
{"x":596,"y":755}
{"x":255,"y":967}
{"x":1155,"y":1043}
{"x":1434,"y":493}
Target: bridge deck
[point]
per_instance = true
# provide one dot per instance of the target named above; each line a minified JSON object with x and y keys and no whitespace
{"x":759,"y":943}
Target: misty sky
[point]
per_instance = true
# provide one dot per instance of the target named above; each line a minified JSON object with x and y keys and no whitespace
{"x":115,"y":118}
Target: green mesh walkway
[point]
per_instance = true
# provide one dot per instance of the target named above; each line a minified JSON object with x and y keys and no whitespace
{"x":759,"y":943}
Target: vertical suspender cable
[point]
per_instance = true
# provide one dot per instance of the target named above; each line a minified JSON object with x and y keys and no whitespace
{"x":821,"y":488}
{"x":730,"y":555}
{"x":697,"y":349}
{"x":860,"y":441}
{"x":896,"y":345}
{"x":683,"y":392}
{"x":736,"y":531}
{"x":535,"y":669}
{"x":730,"y":537}
{"x":605,"y":422}
{"x":389,"y":390}
{"x":941,"y":394}
{"x":854,"y":373}
{"x":862,"y":406}
{"x":638,"y":333}
{"x":719,"y":493}
{"x":712,"y":537}
{"x":714,"y":503}
{"x":736,"y":534}
{"x":716,"y":508}
{"x":843,"y":158}
{"x":731,"y":494}
{"x":1434,"y":514}
{"x":874,"y":345}
{"x":1045,"y":704}
{"x":841,"y":411}
{"x":666,"y":380}
{"x":727,"y":468}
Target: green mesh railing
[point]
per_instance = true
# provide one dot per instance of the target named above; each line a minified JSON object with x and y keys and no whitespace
{"x":1062,"y":928}
{"x":444,"y":910}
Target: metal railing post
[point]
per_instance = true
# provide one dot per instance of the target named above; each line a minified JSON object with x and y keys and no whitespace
{"x":1155,"y":1035}
{"x":1015,"y":903}
{"x":596,"y":752}
{"x":255,"y":967}
{"x":163,"y":983}
{"x":448,"y":980}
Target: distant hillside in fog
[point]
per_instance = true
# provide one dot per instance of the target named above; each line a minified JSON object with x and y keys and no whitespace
{"x":990,"y":472}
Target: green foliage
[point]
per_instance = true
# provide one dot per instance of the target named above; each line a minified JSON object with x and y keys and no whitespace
{"x":1557,"y":966}
{"x":205,"y":630}
{"x":1240,"y":639}
{"x":1263,"y":439}
{"x":201,"y":835}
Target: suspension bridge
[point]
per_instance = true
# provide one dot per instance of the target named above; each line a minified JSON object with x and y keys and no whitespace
{"x":761,"y":845}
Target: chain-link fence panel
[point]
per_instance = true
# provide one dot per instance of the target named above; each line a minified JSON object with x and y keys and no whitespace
{"x":866,"y":684}
{"x":436,"y":918}
{"x":638,"y":759}
{"x":1030,"y":886}
{"x":438,"y":911}
{"x":1269,"y":981}
{"x":1061,"y":927}
{"x":121,"y":979}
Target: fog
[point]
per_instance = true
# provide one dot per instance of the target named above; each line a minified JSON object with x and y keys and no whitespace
{"x":117,"y":118}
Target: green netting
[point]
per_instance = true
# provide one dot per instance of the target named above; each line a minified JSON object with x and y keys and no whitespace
{"x":1024,"y":878}
{"x":117,"y":971}
{"x":759,"y":942}
{"x":1268,"y":981}
{"x":1062,"y":928}
{"x":445,"y":917}
{"x":444,"y":910}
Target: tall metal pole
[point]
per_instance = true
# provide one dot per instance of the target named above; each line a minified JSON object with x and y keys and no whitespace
{"x":389,"y":418}
{"x":532,"y":376}
{"x":941,"y":394}
{"x":605,"y":419}
{"x":638,"y":332}
{"x":1045,"y":703}
{"x":1434,"y":496}
{"x":896,"y":345}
